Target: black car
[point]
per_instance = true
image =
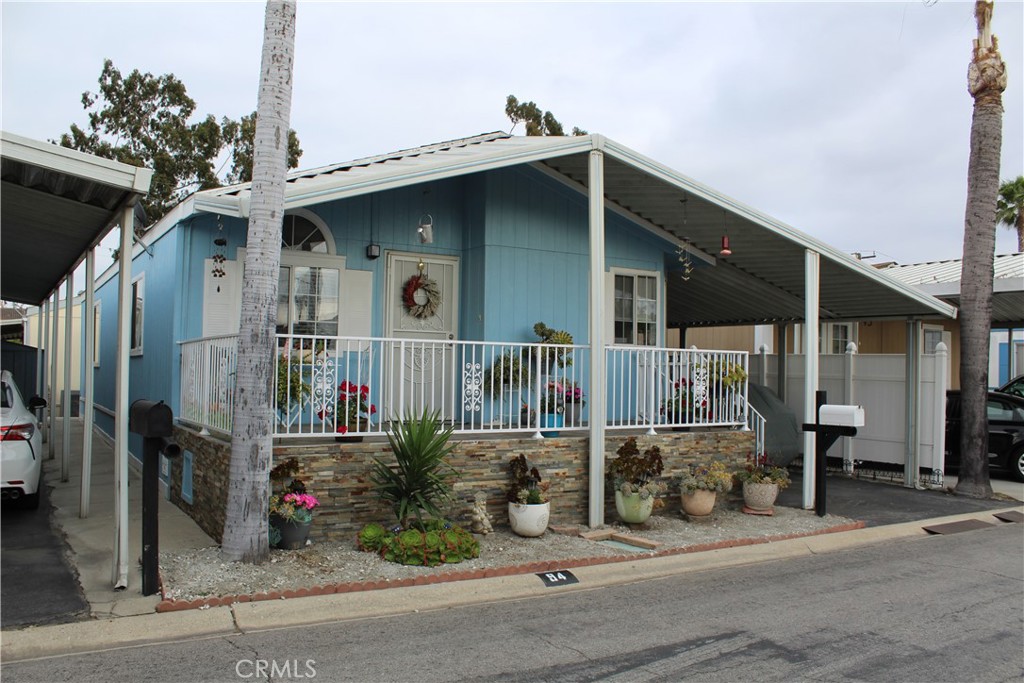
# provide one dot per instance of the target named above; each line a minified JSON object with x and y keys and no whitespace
{"x":1005,"y":432}
{"x":1015,"y":386}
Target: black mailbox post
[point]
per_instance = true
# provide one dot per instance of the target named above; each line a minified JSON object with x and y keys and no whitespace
{"x":154,"y":422}
{"x":826,"y":436}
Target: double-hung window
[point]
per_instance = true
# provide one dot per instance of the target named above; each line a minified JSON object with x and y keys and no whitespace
{"x":309,"y":283}
{"x":636,"y":309}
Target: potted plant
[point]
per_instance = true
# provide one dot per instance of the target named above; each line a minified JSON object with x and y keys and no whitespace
{"x":528,"y":505}
{"x":352,"y":410}
{"x":700,"y":486}
{"x":291,"y":389}
{"x":291,"y":515}
{"x":552,"y":407}
{"x":634,"y":479}
{"x":762,"y":482}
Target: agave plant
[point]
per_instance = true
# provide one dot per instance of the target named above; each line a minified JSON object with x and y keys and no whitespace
{"x":420,"y":482}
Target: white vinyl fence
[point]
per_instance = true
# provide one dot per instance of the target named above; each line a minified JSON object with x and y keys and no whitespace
{"x":878,"y":383}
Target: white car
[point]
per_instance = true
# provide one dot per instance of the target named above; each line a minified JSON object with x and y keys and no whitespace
{"x":21,"y":445}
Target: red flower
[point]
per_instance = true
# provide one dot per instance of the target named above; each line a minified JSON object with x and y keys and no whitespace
{"x":364,"y":390}
{"x":373,"y":409}
{"x":343,"y":429}
{"x":347,"y":387}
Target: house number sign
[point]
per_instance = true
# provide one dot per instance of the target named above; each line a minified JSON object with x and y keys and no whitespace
{"x":558,"y":578}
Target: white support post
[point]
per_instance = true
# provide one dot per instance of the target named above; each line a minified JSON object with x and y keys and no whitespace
{"x":812,"y":268}
{"x":848,"y":370}
{"x":598,"y":388}
{"x":65,"y":450}
{"x":54,"y":395}
{"x":912,"y":442}
{"x":124,"y":309}
{"x":89,"y":330}
{"x":762,"y":371}
{"x":42,"y":383}
{"x":939,"y":410}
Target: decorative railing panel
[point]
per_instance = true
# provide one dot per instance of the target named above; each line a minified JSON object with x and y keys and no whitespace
{"x":355,"y":386}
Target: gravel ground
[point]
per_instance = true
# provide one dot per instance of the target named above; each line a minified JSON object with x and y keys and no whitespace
{"x":202,"y":573}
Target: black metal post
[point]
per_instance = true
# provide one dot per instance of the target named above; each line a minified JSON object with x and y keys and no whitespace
{"x":820,"y":447}
{"x":150,"y":524}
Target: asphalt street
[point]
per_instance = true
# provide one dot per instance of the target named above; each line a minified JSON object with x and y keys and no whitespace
{"x":928,"y":608}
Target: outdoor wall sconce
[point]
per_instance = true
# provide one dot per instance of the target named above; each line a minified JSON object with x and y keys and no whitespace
{"x":372,"y":251}
{"x":426,"y":229}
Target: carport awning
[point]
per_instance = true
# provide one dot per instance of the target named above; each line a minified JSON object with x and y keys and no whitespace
{"x":57,"y":204}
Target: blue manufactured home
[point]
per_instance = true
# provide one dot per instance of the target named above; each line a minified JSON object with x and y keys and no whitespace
{"x":414,"y":280}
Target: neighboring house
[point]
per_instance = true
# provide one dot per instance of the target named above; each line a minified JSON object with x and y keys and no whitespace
{"x":941,"y":279}
{"x":32,"y":339}
{"x":12,"y":324}
{"x":413,"y":281}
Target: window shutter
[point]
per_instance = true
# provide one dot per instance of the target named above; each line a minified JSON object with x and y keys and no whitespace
{"x":357,"y":300}
{"x":221,"y":301}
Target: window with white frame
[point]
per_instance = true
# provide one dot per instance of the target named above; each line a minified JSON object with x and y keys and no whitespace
{"x":636,"y":309}
{"x":308,"y":287}
{"x":932,"y":335}
{"x":834,"y":337}
{"x":138,"y":299}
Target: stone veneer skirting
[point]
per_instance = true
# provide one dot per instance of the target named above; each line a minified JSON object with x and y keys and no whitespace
{"x":338,"y":474}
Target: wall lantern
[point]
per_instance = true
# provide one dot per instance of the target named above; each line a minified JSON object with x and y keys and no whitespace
{"x":426,"y":229}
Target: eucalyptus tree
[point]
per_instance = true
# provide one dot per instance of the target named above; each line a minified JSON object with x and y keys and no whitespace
{"x":145,"y":120}
{"x":537,"y":121}
{"x":1010,"y":208}
{"x":246,"y":526}
{"x":986,"y":80}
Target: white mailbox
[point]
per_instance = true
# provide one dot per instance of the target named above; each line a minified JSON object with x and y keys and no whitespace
{"x":841,"y":416}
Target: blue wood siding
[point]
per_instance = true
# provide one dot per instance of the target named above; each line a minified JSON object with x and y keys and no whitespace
{"x":154,"y":374}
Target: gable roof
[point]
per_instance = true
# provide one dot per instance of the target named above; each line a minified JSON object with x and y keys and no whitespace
{"x":762,"y":281}
{"x":942,"y":279}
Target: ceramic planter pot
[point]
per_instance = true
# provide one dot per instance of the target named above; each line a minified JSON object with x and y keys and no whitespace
{"x":700,"y":503}
{"x":529,"y":520}
{"x":293,"y":534}
{"x":760,"y":497}
{"x":633,"y":509}
{"x":551,"y":420}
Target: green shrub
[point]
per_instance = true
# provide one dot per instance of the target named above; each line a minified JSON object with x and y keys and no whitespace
{"x":420,"y":482}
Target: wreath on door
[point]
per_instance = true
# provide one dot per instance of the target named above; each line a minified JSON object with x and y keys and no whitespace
{"x":429,"y":300}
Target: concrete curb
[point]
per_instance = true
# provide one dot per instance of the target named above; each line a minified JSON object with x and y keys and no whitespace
{"x":269,"y":611}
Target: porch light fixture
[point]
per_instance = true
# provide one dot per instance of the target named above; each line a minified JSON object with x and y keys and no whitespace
{"x":372,"y":251}
{"x":725,"y":251}
{"x":426,"y":229}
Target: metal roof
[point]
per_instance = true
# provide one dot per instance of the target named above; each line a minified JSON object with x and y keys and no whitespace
{"x":942,"y":279}
{"x":57,"y":204}
{"x":762,"y":281}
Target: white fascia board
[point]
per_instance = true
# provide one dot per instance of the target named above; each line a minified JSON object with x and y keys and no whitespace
{"x":629,"y":215}
{"x":445,"y":166}
{"x":1008,"y":284}
{"x":642,"y":163}
{"x":209,"y":203}
{"x":72,"y":162}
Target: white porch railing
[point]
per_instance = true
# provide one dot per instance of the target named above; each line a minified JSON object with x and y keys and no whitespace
{"x":355,"y":386}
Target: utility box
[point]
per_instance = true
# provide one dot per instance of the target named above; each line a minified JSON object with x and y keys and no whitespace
{"x":841,"y":415}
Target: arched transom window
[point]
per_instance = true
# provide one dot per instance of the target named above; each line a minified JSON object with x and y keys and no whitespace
{"x":309,"y":285}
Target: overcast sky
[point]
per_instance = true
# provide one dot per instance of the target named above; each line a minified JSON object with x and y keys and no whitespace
{"x":847,"y":121}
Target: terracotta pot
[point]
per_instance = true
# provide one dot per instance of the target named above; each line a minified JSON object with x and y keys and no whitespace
{"x":633,"y":509}
{"x":529,"y":520}
{"x":760,"y":497}
{"x":700,"y":503}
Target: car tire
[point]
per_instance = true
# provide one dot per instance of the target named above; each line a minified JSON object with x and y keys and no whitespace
{"x":1016,"y":464}
{"x":30,"y":502}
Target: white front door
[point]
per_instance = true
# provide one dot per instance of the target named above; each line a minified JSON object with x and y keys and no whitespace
{"x":422,"y":374}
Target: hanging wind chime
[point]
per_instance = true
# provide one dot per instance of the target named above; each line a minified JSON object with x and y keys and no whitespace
{"x":682,"y":252}
{"x":219,"y":255}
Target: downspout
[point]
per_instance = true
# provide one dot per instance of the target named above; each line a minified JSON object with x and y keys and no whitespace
{"x":41,"y":378}
{"x":781,"y":361}
{"x":812,"y":266}
{"x":598,"y":388}
{"x":911,"y":443}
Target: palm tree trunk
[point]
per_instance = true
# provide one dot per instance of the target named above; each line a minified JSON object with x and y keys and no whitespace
{"x":986,"y":82}
{"x":245,"y":525}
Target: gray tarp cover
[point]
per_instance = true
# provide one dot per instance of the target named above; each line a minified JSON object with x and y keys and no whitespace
{"x":783,"y":438}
